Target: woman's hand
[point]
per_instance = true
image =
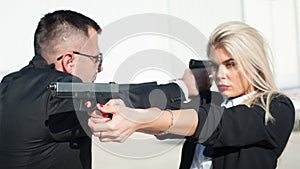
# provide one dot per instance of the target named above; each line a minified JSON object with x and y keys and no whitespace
{"x":125,"y":121}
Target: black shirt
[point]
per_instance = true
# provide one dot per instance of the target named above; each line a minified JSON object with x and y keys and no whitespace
{"x":38,"y":131}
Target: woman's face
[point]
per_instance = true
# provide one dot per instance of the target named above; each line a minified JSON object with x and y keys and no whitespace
{"x":229,"y":80}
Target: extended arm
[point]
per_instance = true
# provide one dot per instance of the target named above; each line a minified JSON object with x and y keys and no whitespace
{"x":128,"y":120}
{"x":152,"y":120}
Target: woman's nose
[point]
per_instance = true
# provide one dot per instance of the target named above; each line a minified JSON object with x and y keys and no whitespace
{"x":221,"y":72}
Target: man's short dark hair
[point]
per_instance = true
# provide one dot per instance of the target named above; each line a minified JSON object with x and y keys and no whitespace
{"x":59,"y":23}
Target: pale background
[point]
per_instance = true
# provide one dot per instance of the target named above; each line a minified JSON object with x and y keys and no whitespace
{"x":278,"y":20}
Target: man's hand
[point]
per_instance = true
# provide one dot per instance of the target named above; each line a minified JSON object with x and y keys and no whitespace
{"x":196,"y":80}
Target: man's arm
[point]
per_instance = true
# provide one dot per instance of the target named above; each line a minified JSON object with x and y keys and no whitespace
{"x":167,"y":96}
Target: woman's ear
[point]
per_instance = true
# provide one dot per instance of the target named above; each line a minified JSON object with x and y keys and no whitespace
{"x":68,"y":63}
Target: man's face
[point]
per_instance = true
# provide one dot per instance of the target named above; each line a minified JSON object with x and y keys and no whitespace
{"x":86,"y":68}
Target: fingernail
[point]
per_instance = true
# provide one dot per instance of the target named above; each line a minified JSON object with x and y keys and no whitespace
{"x":105,"y":115}
{"x":88,"y":104}
{"x":107,"y":120}
{"x":101,"y":105}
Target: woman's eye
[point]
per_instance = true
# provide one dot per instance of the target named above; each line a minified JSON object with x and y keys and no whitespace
{"x":230,"y":64}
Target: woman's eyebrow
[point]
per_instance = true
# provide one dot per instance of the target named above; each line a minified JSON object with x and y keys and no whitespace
{"x":228,"y":60}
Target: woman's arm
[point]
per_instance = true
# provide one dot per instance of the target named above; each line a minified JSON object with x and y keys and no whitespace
{"x":126,"y":120}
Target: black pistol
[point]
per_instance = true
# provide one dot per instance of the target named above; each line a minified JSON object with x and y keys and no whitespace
{"x":197,"y":64}
{"x":83,"y":92}
{"x":196,"y":67}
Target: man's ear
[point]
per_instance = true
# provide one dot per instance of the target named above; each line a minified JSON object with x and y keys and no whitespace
{"x":68,"y":63}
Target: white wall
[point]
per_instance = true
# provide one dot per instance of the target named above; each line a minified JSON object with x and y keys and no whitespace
{"x":277,"y":20}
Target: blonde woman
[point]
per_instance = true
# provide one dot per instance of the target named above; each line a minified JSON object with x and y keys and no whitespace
{"x":249,"y":129}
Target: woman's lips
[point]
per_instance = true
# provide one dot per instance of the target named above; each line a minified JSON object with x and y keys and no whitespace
{"x":223,"y":87}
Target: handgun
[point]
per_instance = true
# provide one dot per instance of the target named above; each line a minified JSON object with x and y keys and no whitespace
{"x":196,"y":64}
{"x":196,"y":67}
{"x":83,"y":92}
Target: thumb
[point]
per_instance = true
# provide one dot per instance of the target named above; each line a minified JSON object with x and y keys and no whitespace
{"x":112,"y":106}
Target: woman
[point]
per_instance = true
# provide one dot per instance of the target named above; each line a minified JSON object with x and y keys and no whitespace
{"x":249,"y":129}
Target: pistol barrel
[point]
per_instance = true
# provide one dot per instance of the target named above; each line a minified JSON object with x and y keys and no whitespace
{"x":81,"y":90}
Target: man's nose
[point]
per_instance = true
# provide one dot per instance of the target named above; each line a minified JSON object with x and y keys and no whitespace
{"x":100,"y":68}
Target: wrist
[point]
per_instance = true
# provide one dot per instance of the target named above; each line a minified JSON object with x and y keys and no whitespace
{"x":156,"y":120}
{"x":170,"y":125}
{"x":146,"y":118}
{"x":184,"y":89}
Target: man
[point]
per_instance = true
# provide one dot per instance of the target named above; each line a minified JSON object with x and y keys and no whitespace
{"x":38,"y":131}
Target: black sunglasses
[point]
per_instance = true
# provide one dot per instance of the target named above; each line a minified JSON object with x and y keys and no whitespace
{"x":97,"y":58}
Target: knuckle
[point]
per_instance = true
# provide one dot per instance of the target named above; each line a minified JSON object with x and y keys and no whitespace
{"x":94,"y":128}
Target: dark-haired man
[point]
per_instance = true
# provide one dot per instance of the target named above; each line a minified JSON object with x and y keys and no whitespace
{"x":38,"y":131}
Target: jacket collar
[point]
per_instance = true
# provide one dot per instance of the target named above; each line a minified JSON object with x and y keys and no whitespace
{"x":40,"y":62}
{"x":236,"y":101}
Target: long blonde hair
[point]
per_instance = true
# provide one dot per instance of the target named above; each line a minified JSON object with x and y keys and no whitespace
{"x":252,"y":54}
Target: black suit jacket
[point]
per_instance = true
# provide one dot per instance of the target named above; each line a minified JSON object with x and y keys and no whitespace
{"x":38,"y":130}
{"x":188,"y":148}
{"x":29,"y":135}
{"x":239,"y":136}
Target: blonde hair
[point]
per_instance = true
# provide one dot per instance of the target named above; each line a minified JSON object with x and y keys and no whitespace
{"x":252,"y":54}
